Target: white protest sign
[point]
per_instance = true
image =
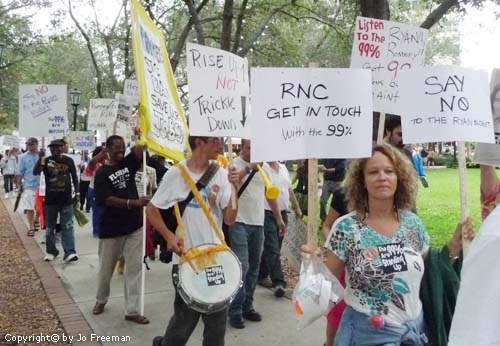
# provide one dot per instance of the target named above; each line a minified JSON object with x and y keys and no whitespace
{"x":42,"y":110}
{"x":82,"y":140}
{"x":387,"y":48}
{"x":11,"y":141}
{"x":310,"y":113}
{"x":123,"y":129}
{"x":125,"y":108}
{"x":102,"y":114}
{"x":218,"y":92}
{"x":489,"y":154}
{"x":131,"y":90}
{"x":447,"y":103}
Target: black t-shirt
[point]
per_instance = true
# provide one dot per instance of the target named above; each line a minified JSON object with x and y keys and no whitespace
{"x":59,"y":173}
{"x":338,"y":202}
{"x":339,"y":165}
{"x":118,"y":181}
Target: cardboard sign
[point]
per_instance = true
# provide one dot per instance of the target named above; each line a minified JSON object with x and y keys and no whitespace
{"x":42,"y":110}
{"x":131,"y":90}
{"x":489,"y":154}
{"x":82,"y":140}
{"x":442,"y":104}
{"x":102,"y":114}
{"x":310,"y":113}
{"x":386,"y":48}
{"x":125,"y":108}
{"x":11,"y":141}
{"x":218,"y":92}
{"x":162,"y":122}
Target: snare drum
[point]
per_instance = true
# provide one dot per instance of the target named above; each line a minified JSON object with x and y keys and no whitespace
{"x":213,"y":288}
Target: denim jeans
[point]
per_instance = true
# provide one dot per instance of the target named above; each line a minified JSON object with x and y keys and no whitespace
{"x":356,"y":330}
{"x":184,"y":320}
{"x":270,"y":263}
{"x":65,"y":213}
{"x":246,"y":242}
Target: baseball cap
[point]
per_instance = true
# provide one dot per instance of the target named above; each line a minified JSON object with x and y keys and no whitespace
{"x":57,"y":142}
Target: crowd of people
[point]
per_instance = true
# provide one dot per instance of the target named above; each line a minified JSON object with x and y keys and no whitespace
{"x":376,"y":245}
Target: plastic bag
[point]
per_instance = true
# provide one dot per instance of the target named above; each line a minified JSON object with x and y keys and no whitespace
{"x":316,"y":292}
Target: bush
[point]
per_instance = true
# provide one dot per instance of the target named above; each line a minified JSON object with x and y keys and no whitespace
{"x":445,"y":160}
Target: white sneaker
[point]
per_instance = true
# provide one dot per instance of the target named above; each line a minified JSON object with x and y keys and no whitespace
{"x":49,"y":257}
{"x":6,"y":196}
{"x":71,"y":258}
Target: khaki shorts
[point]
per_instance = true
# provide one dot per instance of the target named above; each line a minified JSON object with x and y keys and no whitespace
{"x":27,"y":201}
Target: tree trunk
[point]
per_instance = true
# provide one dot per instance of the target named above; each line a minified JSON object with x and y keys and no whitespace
{"x":375,"y":9}
{"x":227,"y":25}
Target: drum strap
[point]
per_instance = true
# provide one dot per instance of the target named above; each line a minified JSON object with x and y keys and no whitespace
{"x":205,"y":256}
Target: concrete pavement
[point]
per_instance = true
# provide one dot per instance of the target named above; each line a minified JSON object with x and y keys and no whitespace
{"x":278,"y":327}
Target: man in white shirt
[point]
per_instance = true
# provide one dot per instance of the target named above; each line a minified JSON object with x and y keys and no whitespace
{"x":247,"y":237}
{"x":217,"y":192}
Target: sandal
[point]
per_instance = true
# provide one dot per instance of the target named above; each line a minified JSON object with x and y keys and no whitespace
{"x":31,"y":233}
{"x":137,"y":319}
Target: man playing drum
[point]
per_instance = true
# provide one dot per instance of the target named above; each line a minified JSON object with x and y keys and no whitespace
{"x":216,"y":194}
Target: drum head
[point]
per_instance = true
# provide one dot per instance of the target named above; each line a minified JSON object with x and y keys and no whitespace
{"x":217,"y":283}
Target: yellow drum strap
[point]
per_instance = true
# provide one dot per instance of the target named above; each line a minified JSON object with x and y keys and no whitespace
{"x":206,"y":256}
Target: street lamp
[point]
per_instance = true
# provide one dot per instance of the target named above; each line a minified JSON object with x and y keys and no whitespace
{"x":75,"y":94}
{"x":2,"y":48}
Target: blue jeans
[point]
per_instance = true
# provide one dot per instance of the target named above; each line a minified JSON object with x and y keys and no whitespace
{"x":65,"y":213}
{"x":356,"y":330}
{"x":247,"y":242}
{"x":270,"y":263}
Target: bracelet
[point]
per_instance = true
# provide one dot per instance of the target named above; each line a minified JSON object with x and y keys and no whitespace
{"x":128,"y":203}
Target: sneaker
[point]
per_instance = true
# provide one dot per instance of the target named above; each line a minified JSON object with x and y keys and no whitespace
{"x":236,"y":321}
{"x":157,"y":340}
{"x":72,"y":257}
{"x":49,"y":257}
{"x":265,"y":282}
{"x":252,"y":315}
{"x":6,"y":196}
{"x":279,"y":291}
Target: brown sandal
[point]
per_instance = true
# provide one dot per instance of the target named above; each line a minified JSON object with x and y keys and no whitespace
{"x":137,"y":319}
{"x":31,"y":233}
{"x":98,"y":308}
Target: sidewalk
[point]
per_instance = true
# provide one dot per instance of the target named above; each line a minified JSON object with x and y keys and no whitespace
{"x":278,"y":327}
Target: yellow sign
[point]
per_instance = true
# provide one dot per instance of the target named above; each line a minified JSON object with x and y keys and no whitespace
{"x":161,"y":118}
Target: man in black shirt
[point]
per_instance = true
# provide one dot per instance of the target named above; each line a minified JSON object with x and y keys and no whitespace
{"x":120,"y":227}
{"x":60,"y":173}
{"x":333,"y":175}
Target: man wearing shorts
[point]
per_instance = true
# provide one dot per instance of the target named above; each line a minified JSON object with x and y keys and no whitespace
{"x":28,"y":182}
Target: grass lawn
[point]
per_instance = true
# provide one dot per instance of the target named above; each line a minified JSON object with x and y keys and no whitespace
{"x":439,"y":205}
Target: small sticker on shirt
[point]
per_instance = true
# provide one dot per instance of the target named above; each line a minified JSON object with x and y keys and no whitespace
{"x":215,"y":276}
{"x":392,"y":258}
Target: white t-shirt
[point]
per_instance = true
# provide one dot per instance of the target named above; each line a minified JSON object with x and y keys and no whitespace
{"x":281,"y":180}
{"x":174,"y":189}
{"x":477,"y":318}
{"x":251,"y":201}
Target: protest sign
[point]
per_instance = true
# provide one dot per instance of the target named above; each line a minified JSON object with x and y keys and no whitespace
{"x":125,"y":108}
{"x":386,"y":48}
{"x":310,"y":113}
{"x":42,"y":110}
{"x":102,"y":114}
{"x":11,"y":141}
{"x":131,"y":90}
{"x":125,"y":130}
{"x":82,"y":140}
{"x":161,"y":117}
{"x":489,"y":154}
{"x":447,"y":103}
{"x":218,"y":92}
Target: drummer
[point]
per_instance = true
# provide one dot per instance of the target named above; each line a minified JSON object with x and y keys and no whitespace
{"x":216,"y":194}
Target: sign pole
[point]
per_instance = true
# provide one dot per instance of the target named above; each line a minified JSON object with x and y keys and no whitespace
{"x":381,"y":127}
{"x":312,"y":195}
{"x":464,"y":205}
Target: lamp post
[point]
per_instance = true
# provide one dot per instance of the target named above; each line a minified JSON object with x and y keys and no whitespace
{"x":75,"y":102}
{"x":2,"y":48}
